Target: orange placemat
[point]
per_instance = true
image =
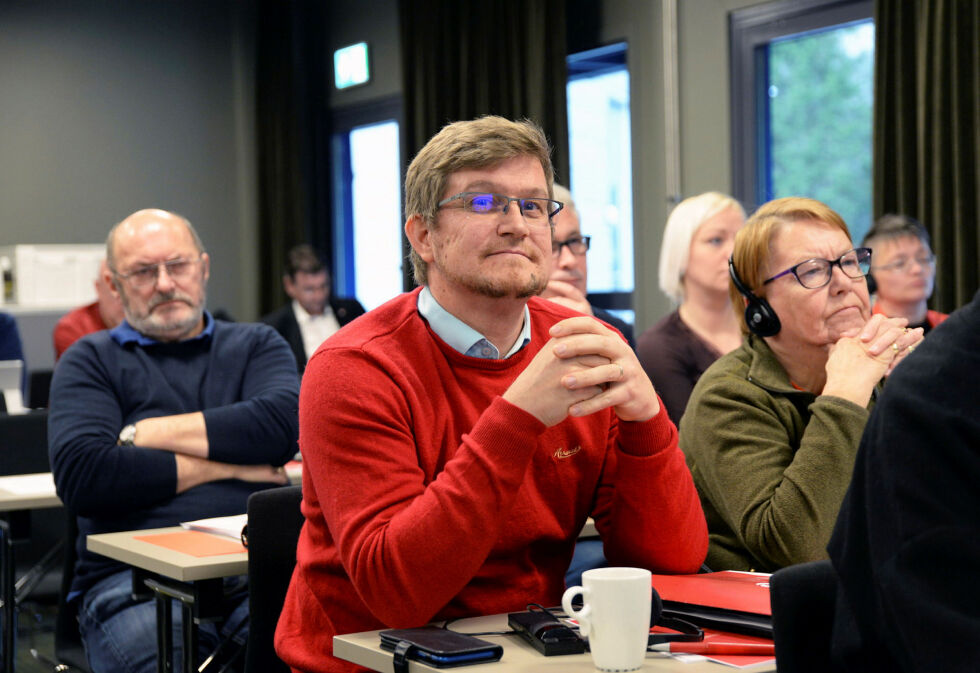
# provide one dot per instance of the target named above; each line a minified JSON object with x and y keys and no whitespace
{"x":194,"y":543}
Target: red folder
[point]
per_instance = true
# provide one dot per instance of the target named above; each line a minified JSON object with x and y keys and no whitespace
{"x":729,"y":589}
{"x":727,"y":600}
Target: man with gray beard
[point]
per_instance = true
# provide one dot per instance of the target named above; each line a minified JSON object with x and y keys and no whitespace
{"x":169,"y":417}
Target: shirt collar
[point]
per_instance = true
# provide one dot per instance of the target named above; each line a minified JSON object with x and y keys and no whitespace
{"x":124,"y":333}
{"x":302,"y":315}
{"x":463,"y":338}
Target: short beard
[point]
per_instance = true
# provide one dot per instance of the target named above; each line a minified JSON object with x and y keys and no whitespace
{"x":488,"y":288}
{"x":152,"y":327}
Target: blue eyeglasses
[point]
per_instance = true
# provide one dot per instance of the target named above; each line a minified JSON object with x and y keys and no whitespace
{"x":533,"y":209}
{"x":815,"y":273}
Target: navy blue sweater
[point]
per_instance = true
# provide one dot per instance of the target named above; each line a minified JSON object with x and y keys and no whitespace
{"x":242,"y":377}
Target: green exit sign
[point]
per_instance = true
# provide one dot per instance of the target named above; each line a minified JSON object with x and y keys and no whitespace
{"x":350,"y":66}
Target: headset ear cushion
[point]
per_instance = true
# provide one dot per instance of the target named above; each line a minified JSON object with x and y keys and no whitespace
{"x":761,"y":319}
{"x":656,"y":607}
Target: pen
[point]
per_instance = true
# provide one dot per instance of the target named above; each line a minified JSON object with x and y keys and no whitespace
{"x":757,"y":649}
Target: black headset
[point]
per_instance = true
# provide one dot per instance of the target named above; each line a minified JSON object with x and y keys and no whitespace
{"x":759,"y":316}
{"x":686,"y":631}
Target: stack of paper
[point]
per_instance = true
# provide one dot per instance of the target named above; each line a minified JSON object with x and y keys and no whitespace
{"x":228,"y":526}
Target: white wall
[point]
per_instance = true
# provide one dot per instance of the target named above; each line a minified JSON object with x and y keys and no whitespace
{"x":111,"y":107}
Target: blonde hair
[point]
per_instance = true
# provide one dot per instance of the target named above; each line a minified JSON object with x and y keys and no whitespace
{"x":753,"y":242}
{"x":683,"y":222}
{"x":477,"y":143}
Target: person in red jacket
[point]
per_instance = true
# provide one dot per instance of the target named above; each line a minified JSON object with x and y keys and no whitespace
{"x":104,"y":313}
{"x":456,"y":439}
{"x":904,"y":271}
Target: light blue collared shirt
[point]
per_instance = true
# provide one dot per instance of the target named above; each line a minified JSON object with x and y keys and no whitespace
{"x":123,"y":333}
{"x":461,"y":336}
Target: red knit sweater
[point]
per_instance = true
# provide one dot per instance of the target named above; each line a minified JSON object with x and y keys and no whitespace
{"x":427,"y":496}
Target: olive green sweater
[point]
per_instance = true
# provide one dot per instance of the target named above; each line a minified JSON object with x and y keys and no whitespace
{"x":770,"y":462}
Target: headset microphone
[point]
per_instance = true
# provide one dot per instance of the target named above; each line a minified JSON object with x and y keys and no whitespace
{"x":759,"y":316}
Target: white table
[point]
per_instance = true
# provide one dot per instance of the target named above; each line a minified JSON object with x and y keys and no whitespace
{"x":194,"y":580}
{"x":365,"y":650}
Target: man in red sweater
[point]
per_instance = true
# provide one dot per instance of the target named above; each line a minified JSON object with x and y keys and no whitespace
{"x":456,"y":438}
{"x":104,"y":313}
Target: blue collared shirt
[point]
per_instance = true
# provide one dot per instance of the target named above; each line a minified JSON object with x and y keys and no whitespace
{"x":123,"y":333}
{"x":461,"y":336}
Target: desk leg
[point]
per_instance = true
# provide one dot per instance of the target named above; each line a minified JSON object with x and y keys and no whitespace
{"x":8,"y":637}
{"x":201,"y":601}
{"x":190,"y":638}
{"x":165,"y":641}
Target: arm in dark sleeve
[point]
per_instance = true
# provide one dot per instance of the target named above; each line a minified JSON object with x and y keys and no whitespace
{"x":263,"y":426}
{"x":907,"y":543}
{"x":93,"y":475}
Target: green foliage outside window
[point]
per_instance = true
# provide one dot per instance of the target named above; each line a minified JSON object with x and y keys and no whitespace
{"x":820,"y":116}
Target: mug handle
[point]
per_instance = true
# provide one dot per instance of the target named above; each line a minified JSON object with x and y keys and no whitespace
{"x":581,"y":616}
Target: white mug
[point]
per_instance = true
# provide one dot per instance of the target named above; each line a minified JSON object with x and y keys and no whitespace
{"x":615,"y":616}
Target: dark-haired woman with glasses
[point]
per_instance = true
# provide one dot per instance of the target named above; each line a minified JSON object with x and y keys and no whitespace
{"x":772,"y":428}
{"x":904,"y":270}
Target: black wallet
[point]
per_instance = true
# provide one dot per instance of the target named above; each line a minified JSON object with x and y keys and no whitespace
{"x":437,"y":647}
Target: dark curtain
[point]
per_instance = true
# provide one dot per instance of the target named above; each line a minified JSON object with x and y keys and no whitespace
{"x":927,"y":131}
{"x":466,"y":58}
{"x":293,"y":170}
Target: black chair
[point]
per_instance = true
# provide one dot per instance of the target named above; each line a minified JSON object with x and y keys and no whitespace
{"x":803,"y":599}
{"x":39,"y":387}
{"x":274,"y":522}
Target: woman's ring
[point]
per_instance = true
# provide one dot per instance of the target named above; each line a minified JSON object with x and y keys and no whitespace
{"x":895,"y":347}
{"x":911,"y":348}
{"x":622,"y":373}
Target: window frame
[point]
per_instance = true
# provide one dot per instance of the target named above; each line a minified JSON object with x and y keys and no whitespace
{"x":586,"y":63}
{"x":343,"y":121}
{"x":750,"y":30}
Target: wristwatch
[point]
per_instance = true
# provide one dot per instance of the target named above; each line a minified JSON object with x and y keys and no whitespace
{"x":127,"y":435}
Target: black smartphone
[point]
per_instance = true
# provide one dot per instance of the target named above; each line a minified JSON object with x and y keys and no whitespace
{"x":442,"y":648}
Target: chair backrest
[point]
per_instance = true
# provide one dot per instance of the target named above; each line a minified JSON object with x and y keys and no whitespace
{"x":803,"y":599}
{"x":274,"y":522}
{"x":24,"y":443}
{"x":39,"y":388}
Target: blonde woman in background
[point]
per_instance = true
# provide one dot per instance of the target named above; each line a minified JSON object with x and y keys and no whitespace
{"x":698,"y":241}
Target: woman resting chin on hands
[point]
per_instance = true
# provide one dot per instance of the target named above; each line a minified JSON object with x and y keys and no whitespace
{"x":772,"y":428}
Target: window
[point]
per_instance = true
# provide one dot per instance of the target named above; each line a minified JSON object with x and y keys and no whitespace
{"x":367,"y":226}
{"x":601,"y":170}
{"x":802,"y":105}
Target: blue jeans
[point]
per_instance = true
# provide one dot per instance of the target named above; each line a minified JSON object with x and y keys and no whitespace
{"x":119,"y":633}
{"x":588,"y":555}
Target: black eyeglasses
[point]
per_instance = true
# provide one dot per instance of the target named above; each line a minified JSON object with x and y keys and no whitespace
{"x":178,"y":269}
{"x":815,"y":273}
{"x":535,"y":210}
{"x":579,"y":245}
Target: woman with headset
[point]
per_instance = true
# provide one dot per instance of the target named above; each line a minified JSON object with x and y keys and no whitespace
{"x":772,"y":428}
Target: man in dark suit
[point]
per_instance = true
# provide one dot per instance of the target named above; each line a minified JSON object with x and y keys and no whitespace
{"x":570,"y":270}
{"x":314,"y":314}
